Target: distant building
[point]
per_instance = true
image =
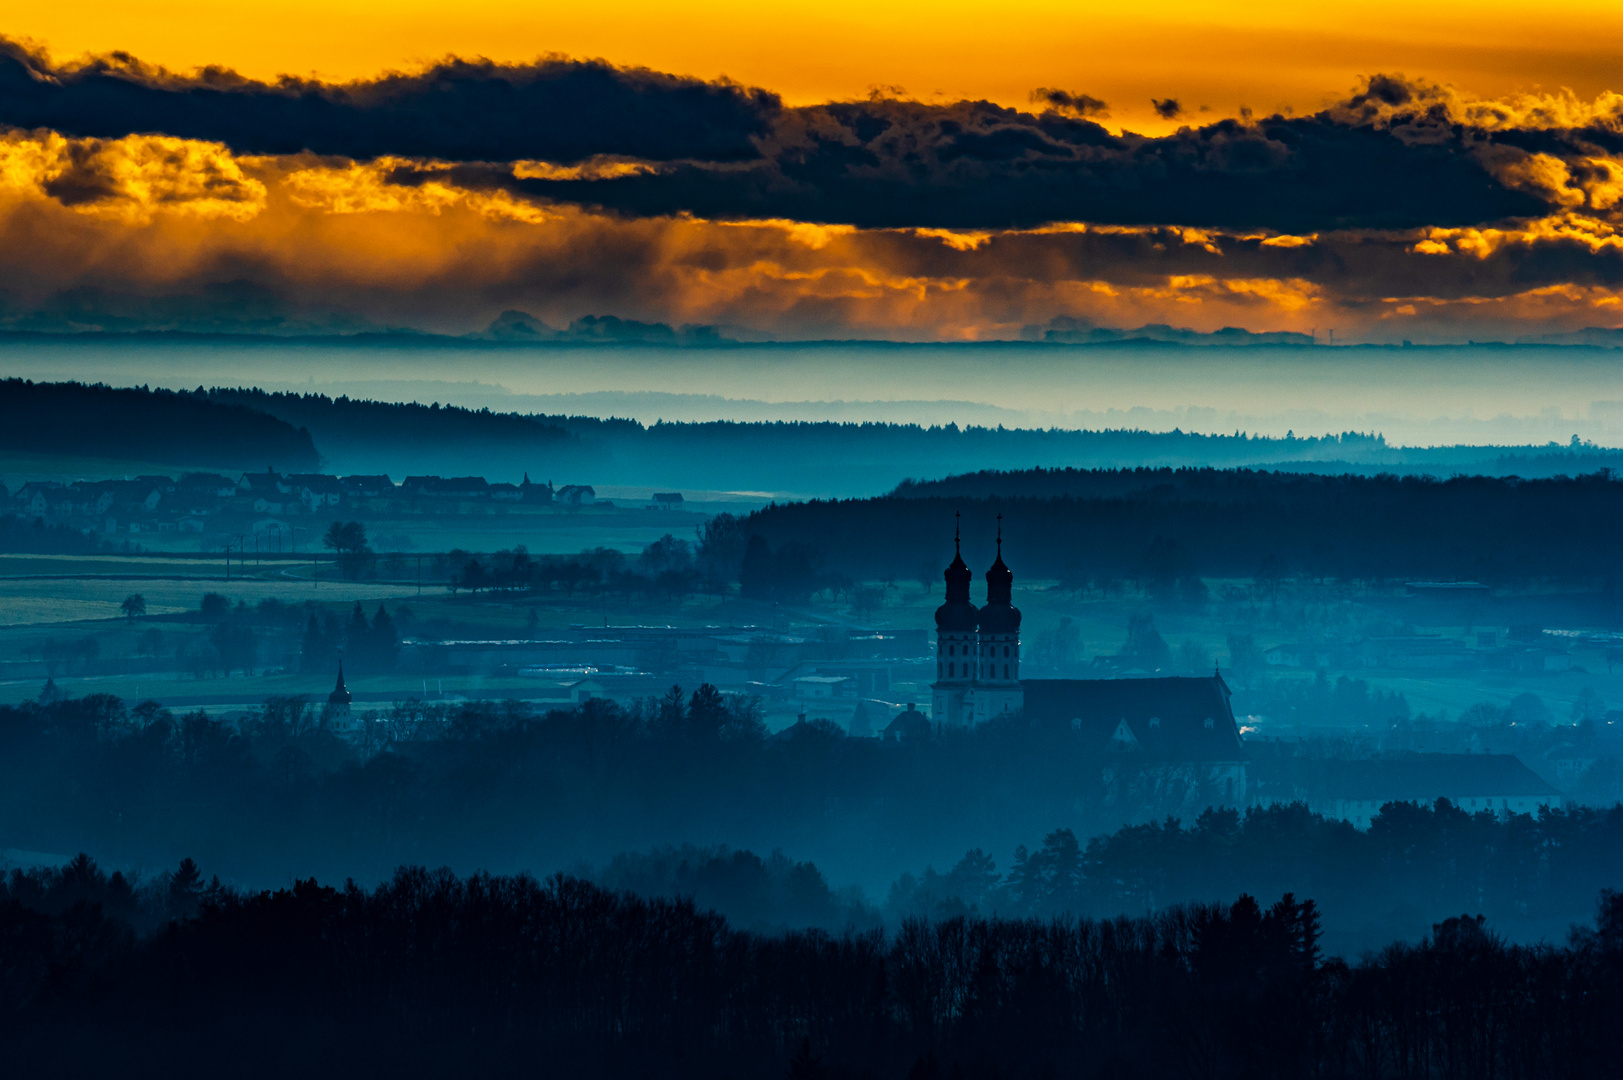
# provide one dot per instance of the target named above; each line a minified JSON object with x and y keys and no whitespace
{"x":1180,"y":730}
{"x":1567,"y":763}
{"x":506,"y":492}
{"x":315,"y":491}
{"x":910,"y":725}
{"x":1429,"y":652}
{"x":445,"y":487}
{"x":814,"y":687}
{"x":1169,"y":743}
{"x":869,"y":678}
{"x":265,"y":484}
{"x":576,"y":495}
{"x":977,"y":649}
{"x":536,"y":493}
{"x":34,"y":498}
{"x":338,"y":716}
{"x":365,"y":487}
{"x":210,"y":484}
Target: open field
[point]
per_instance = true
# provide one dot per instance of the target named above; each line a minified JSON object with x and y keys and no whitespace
{"x":39,"y":601}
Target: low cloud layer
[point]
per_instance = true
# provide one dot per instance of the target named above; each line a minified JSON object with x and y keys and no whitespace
{"x":187,"y":236}
{"x":1404,"y":212}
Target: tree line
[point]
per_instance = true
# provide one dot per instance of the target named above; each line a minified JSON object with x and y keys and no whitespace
{"x":1111,"y":527}
{"x":869,"y":457}
{"x":20,"y":536}
{"x":508,"y":786}
{"x":430,"y":973}
{"x":138,"y":424}
{"x":248,"y":428}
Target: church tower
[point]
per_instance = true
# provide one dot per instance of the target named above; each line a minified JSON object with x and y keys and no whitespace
{"x":997,"y":688}
{"x":956,"y":645}
{"x":338,"y":703}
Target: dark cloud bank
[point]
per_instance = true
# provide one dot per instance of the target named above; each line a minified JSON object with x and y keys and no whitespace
{"x":979,"y":165}
{"x":1389,"y":157}
{"x":459,"y":110}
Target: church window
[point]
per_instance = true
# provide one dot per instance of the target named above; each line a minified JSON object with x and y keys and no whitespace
{"x":1005,"y":650}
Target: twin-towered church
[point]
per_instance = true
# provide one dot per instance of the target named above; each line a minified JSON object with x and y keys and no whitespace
{"x":978,"y":649}
{"x":1179,"y":729}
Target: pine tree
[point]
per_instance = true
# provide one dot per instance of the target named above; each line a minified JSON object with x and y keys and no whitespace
{"x":313,"y":652}
{"x":185,"y":890}
{"x":385,"y":640}
{"x":358,"y":640}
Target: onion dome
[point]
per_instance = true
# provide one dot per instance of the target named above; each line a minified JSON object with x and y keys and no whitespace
{"x":340,"y":694}
{"x":957,"y":614}
{"x":1000,"y":616}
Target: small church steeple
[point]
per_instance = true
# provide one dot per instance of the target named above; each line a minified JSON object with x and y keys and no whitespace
{"x":340,"y":693}
{"x":337,"y":713}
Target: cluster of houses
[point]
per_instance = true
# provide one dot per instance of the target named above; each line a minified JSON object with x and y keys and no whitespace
{"x":189,"y":503}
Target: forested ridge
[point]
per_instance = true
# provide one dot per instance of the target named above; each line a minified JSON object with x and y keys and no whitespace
{"x":354,"y":435}
{"x":1158,"y":526}
{"x":344,"y":425}
{"x":137,"y":424}
{"x":829,"y":455}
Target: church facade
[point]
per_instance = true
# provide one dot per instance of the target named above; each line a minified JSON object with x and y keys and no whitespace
{"x":977,"y":648}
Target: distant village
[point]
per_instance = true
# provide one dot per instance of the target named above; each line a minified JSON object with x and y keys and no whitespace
{"x":1167,"y":744}
{"x":200,"y":502}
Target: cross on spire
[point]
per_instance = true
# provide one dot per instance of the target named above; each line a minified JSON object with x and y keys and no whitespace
{"x":1000,"y":536}
{"x":956,"y":514}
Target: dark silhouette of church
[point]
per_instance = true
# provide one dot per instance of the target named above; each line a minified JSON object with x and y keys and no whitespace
{"x":977,"y":649}
{"x":1173,"y":733}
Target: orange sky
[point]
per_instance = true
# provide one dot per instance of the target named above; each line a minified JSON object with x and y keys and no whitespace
{"x":157,"y":222}
{"x":1263,"y":55}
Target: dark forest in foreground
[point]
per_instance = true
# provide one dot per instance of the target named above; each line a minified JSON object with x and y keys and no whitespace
{"x":431,"y":974}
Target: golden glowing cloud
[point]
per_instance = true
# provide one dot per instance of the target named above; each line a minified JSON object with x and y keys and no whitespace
{"x":146,"y":219}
